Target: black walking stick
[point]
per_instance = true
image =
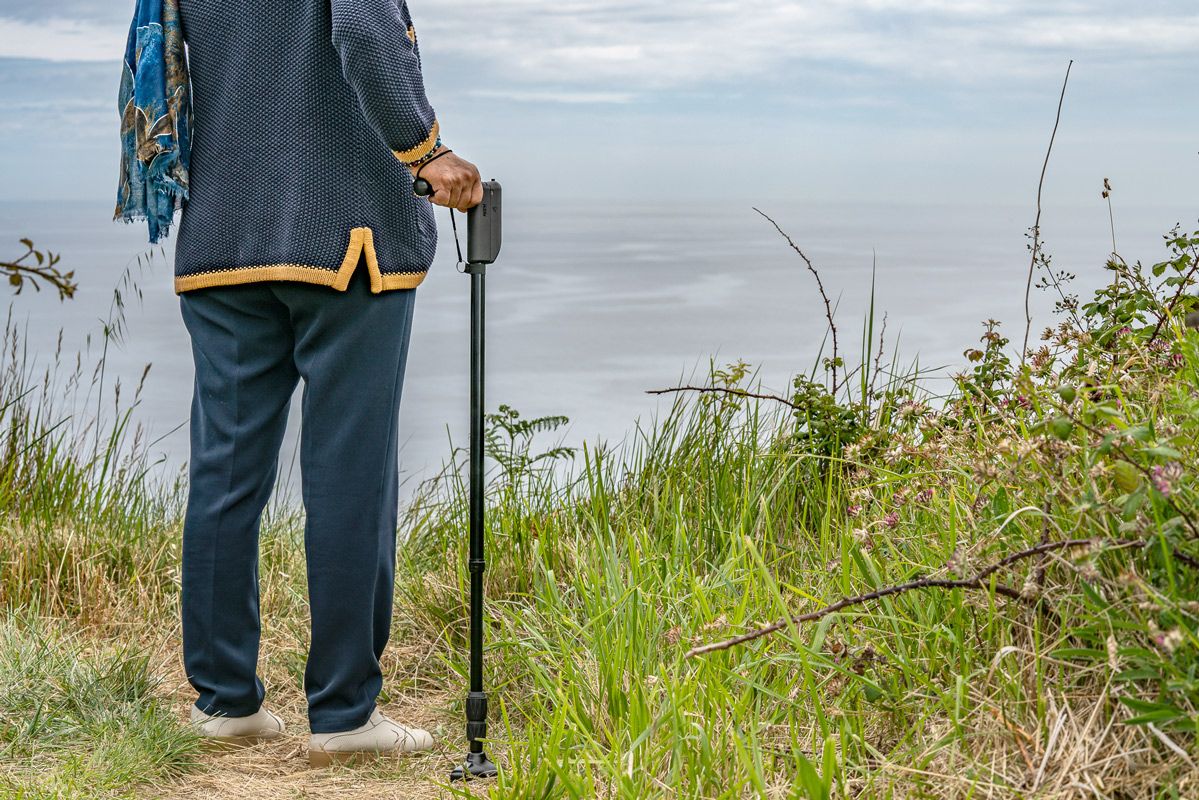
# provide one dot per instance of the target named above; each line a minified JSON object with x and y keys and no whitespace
{"x":482,"y":246}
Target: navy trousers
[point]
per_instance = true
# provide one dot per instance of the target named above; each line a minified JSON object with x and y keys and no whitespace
{"x":252,"y":343}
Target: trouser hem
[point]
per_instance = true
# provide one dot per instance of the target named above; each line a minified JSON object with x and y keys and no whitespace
{"x":214,"y":710}
{"x":339,"y":723}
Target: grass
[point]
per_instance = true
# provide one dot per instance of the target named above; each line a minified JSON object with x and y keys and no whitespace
{"x":80,"y":718}
{"x":1072,"y":673}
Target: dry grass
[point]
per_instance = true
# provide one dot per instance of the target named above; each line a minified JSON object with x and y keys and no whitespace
{"x":280,"y":769}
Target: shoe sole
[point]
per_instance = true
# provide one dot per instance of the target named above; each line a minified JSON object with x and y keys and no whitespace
{"x":320,"y":759}
{"x":235,"y":742}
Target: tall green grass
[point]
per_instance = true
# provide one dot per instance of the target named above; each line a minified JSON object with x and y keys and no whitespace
{"x":734,"y":511}
{"x":1069,"y":674}
{"x":76,"y":486}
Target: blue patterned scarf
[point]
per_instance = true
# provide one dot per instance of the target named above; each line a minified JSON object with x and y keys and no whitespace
{"x":155,"y":106}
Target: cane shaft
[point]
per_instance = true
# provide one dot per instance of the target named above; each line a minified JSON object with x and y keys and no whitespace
{"x":477,"y":700}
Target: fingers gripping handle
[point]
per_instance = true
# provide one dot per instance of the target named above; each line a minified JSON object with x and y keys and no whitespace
{"x":484,"y":233}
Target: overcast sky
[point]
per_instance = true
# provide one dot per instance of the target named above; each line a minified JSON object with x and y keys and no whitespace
{"x":835,"y":100}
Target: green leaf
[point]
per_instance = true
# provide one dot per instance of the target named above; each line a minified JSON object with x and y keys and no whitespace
{"x":1162,"y":715}
{"x":1126,"y":477}
{"x":871,"y":692}
{"x":1140,"y":433}
{"x":810,"y":780}
{"x":1095,"y":600}
{"x":1062,"y":427}
{"x":830,"y":763}
{"x":1151,"y":712}
{"x":1163,"y":452}
{"x":1000,"y":507}
{"x":1145,"y":706}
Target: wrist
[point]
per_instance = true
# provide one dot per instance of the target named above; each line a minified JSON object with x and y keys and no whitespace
{"x":438,"y":150}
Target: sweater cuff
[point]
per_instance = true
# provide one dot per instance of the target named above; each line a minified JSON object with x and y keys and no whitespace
{"x":409,"y":157}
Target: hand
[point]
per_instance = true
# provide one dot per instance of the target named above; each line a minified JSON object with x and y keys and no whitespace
{"x":455,"y":181}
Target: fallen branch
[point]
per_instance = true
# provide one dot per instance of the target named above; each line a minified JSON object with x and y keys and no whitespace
{"x":724,"y":390}
{"x":1185,"y":559}
{"x":977,"y":581}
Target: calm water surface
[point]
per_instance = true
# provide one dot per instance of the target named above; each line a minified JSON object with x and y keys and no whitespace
{"x":590,"y":307}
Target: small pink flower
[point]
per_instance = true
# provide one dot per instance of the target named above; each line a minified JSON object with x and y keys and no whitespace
{"x":925,"y":496}
{"x":1168,"y":640}
{"x":892,"y":520}
{"x":854,"y":511}
{"x":1165,"y":477}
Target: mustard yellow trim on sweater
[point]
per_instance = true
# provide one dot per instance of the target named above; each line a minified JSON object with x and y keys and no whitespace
{"x":421,"y":150}
{"x":362,"y":242}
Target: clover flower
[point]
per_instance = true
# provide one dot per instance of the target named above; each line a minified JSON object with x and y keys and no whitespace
{"x":1165,"y":477}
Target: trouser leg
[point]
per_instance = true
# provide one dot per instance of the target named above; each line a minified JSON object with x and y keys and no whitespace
{"x":242,"y":346}
{"x":351,"y":350}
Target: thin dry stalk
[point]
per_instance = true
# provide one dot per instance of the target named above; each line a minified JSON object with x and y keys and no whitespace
{"x":1036,"y":228}
{"x":828,"y":306}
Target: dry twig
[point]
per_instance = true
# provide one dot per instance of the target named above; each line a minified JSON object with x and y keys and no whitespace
{"x":726,"y":390}
{"x":828,"y":306}
{"x":978,"y":581}
{"x":1036,"y":228}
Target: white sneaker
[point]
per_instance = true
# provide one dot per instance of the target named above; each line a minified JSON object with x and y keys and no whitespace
{"x":379,"y":736}
{"x":260,"y":726}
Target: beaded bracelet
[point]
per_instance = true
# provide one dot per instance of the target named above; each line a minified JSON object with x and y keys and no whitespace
{"x":427,"y":157}
{"x":429,"y":161}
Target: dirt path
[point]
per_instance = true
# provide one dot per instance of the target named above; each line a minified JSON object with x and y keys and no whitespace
{"x":280,"y":769}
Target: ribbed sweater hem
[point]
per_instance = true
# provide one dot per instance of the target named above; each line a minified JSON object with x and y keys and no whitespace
{"x":361,"y":243}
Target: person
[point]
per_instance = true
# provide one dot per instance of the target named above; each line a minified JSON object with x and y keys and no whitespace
{"x":300,"y":248}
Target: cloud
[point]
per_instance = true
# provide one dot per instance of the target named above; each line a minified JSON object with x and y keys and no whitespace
{"x":616,"y":45}
{"x":550,"y":96}
{"x":89,"y":10}
{"x":614,"y":51}
{"x":1156,"y":35}
{"x":62,"y":40}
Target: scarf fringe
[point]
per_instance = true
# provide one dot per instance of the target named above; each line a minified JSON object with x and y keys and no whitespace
{"x":154,"y":101}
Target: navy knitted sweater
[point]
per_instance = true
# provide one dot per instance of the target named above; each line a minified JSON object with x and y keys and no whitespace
{"x":305,"y":115}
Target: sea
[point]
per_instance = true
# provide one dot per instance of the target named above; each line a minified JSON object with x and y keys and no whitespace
{"x":593,"y":305}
